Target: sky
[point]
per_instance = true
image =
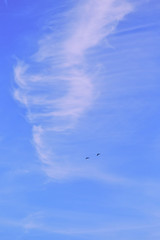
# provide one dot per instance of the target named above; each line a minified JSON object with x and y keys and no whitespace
{"x":79,"y":77}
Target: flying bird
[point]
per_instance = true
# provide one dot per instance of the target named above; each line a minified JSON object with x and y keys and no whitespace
{"x":87,"y":158}
{"x":98,"y":154}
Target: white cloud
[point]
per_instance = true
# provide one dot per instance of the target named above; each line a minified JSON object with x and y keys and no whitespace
{"x":6,"y":2}
{"x":45,"y":222}
{"x":55,"y":85}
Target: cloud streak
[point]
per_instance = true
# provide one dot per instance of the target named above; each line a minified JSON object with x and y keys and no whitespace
{"x":39,"y":221}
{"x":6,"y":2}
{"x":55,"y":84}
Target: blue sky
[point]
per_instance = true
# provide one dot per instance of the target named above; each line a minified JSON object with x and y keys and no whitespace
{"x":78,"y":78}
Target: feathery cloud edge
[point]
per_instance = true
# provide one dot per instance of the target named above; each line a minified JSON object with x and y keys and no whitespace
{"x":61,"y":90}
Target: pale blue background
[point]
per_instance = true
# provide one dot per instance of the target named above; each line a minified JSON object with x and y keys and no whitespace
{"x":122,"y":124}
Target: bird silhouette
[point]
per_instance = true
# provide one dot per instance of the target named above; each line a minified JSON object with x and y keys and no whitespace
{"x":87,"y":158}
{"x":98,"y":154}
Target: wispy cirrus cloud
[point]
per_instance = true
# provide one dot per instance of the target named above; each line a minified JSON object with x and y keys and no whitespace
{"x":46,"y":223}
{"x":6,"y":2}
{"x":55,"y":84}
